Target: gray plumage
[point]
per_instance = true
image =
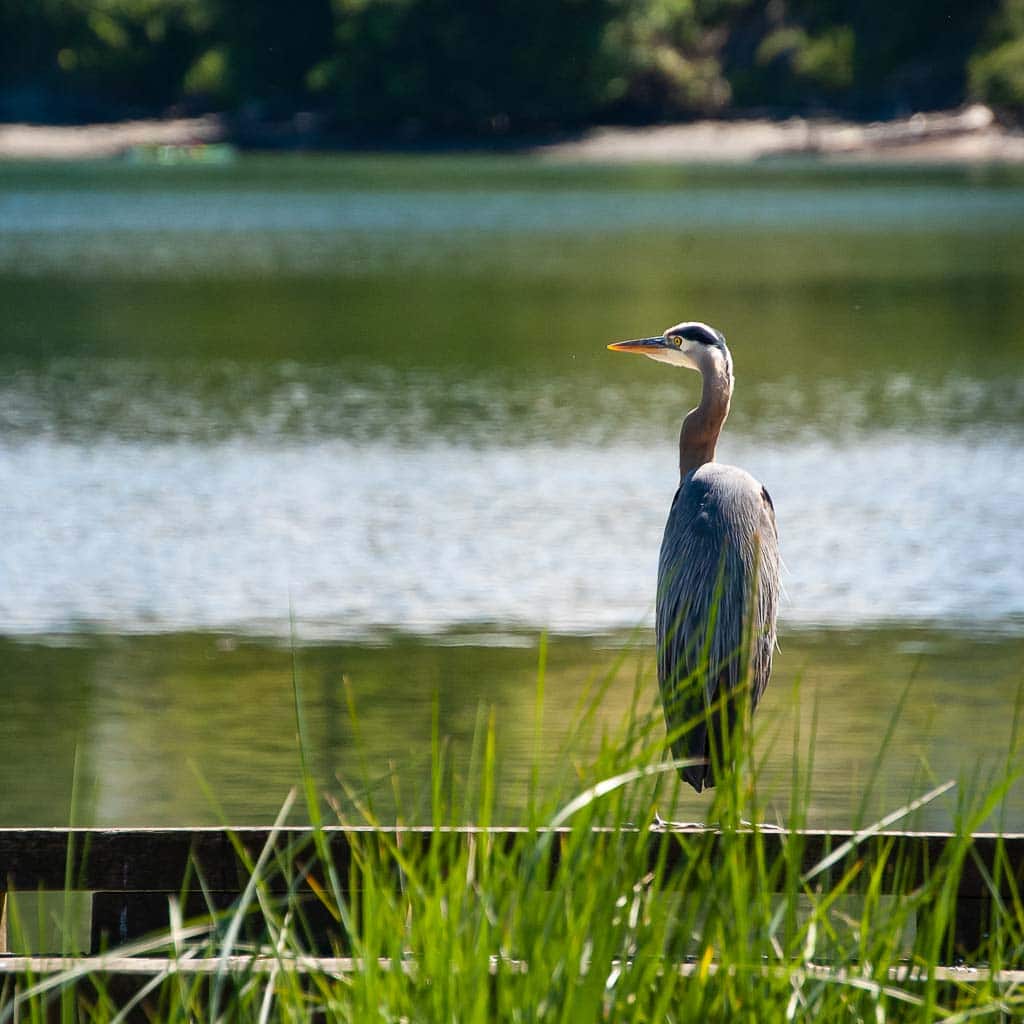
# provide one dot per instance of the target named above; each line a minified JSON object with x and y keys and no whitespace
{"x":718,"y":574}
{"x":717,"y":598}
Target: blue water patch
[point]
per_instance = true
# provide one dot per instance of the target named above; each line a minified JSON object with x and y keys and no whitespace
{"x":440,"y":212}
{"x":353,"y":538}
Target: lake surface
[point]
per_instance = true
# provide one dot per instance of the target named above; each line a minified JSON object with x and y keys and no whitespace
{"x":362,"y":407}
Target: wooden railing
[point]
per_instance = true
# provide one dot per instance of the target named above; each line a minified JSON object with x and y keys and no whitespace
{"x":130,"y":874}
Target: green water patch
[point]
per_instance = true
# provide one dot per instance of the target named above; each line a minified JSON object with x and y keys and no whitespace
{"x":157,"y":718}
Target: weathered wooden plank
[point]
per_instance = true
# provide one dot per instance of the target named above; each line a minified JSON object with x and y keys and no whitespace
{"x":189,"y":860}
{"x":119,"y":918}
{"x":339,"y":967}
{"x":132,"y":872}
{"x":137,"y":860}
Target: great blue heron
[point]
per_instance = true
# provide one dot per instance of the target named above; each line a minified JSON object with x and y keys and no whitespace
{"x":718,"y":573}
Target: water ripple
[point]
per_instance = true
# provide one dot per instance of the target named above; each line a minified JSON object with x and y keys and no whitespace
{"x":130,"y":536}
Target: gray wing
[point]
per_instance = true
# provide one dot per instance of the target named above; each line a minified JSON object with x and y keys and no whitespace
{"x":718,"y":584}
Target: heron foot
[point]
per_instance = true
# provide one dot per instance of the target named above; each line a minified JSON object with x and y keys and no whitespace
{"x":660,"y":824}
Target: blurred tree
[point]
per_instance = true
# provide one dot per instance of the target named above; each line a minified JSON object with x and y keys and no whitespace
{"x":89,"y":58}
{"x":665,"y":55}
{"x":411,"y":68}
{"x":913,"y":55}
{"x":996,"y":71}
{"x":263,"y":54}
{"x":466,"y":66}
{"x":29,"y":34}
{"x":875,"y":58}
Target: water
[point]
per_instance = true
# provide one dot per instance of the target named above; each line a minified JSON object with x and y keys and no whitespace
{"x":365,"y":405}
{"x":354,"y":538}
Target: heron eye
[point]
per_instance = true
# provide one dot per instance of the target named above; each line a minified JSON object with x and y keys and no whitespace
{"x":677,"y":341}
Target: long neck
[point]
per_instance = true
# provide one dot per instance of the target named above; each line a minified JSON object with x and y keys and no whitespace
{"x":701,"y":427}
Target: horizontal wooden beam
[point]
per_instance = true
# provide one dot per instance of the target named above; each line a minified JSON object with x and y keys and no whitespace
{"x":181,"y":860}
{"x":129,"y":873}
{"x":340,"y":967}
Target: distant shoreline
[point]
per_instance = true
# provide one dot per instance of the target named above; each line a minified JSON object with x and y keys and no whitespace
{"x":971,"y":135}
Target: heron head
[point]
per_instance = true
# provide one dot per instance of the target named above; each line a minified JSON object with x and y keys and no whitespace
{"x":686,"y":344}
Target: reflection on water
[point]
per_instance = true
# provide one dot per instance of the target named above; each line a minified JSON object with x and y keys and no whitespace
{"x":355,"y":538}
{"x":402,"y":213}
{"x":81,"y":400}
{"x":152,"y":716}
{"x":374,"y":395}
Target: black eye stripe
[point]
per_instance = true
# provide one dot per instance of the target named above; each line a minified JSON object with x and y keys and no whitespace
{"x":693,"y":332}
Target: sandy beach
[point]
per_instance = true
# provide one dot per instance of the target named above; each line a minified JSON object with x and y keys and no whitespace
{"x":971,"y":135}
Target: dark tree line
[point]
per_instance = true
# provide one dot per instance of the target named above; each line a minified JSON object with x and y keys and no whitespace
{"x":409,"y":68}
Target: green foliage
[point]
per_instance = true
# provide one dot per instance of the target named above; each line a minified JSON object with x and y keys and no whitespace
{"x":132,"y":53}
{"x":665,"y":57}
{"x":996,"y":71}
{"x":469,"y":67}
{"x":874,"y":59}
{"x":208,"y":76}
{"x":135,"y":48}
{"x":586,"y":925}
{"x":465,"y":67}
{"x":825,"y":60}
{"x":997,"y":77}
{"x":264,"y":51}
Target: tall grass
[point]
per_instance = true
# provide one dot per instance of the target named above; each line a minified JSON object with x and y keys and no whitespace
{"x":581,"y":925}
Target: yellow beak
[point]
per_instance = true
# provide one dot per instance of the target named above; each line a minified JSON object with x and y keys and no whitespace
{"x":640,"y":345}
